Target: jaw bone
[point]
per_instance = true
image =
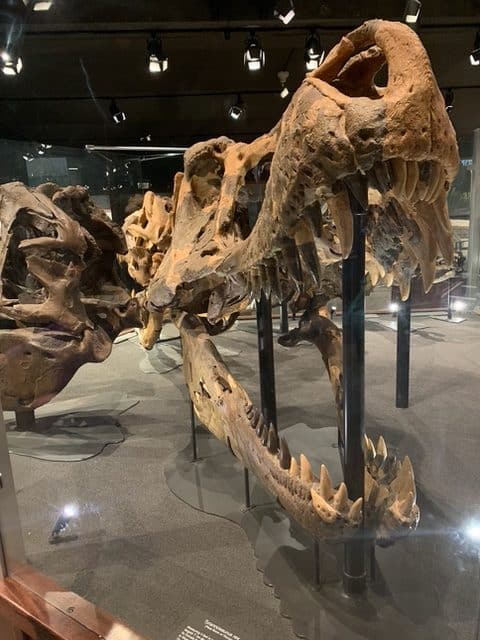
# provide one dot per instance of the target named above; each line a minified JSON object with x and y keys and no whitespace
{"x":223,"y":406}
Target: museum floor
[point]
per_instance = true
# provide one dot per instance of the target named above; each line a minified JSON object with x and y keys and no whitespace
{"x":160,"y":565}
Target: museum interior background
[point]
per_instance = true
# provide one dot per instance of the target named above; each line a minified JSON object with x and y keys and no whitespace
{"x":115,"y":491}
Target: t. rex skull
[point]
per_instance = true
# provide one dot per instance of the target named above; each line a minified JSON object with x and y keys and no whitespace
{"x":61,"y":304}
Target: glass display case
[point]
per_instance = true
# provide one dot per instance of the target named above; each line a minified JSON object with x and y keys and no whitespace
{"x":239,"y":368}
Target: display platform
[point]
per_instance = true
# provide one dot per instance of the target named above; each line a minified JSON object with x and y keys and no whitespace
{"x":402,"y":600}
{"x":71,"y":430}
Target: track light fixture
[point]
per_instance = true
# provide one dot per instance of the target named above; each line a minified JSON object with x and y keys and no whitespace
{"x":42,"y":5}
{"x":449,"y":99}
{"x":475,"y":54}
{"x":283,"y":77}
{"x":412,"y":13}
{"x":314,"y":52}
{"x":157,"y":60}
{"x":117,"y":114}
{"x":237,"y":110}
{"x":10,"y":63}
{"x":284,"y":11}
{"x":254,"y":56}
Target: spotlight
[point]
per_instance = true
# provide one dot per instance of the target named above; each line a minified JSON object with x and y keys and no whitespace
{"x":237,"y":110}
{"x":412,"y":12}
{"x":472,"y":530}
{"x":69,"y":513}
{"x":28,"y":157}
{"x":475,"y":54}
{"x":394,"y":307}
{"x":283,"y":76}
{"x":146,"y":138}
{"x":40,"y":151}
{"x":254,"y":56}
{"x":449,"y":99}
{"x":45,"y":146}
{"x":10,"y":63}
{"x":285,"y":11}
{"x":314,"y":52}
{"x":157,"y":60}
{"x":459,"y":305}
{"x":117,"y":114}
{"x":42,"y":5}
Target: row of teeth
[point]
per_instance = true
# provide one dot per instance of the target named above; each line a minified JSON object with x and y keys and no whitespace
{"x":330,"y":504}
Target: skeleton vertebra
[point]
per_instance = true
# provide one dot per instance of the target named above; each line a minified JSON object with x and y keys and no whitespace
{"x":341,"y":140}
{"x":61,"y":304}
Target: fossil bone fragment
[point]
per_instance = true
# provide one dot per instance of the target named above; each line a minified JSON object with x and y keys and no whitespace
{"x":342,"y":143}
{"x":61,"y":304}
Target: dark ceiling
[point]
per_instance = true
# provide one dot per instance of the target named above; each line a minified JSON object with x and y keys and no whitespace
{"x":81,"y":53}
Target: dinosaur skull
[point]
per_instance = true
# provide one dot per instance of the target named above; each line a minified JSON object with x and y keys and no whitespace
{"x":61,"y":305}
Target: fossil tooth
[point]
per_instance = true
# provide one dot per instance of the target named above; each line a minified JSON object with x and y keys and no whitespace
{"x":254,"y":418}
{"x":355,"y":513}
{"x":290,"y":255}
{"x":272,"y":441}
{"x":439,"y":187}
{"x":404,"y":483}
{"x":264,"y":281}
{"x":382,"y":452}
{"x":255,"y":283}
{"x":433,"y":180}
{"x":412,"y":179}
{"x":323,"y":509}
{"x":265,"y":432}
{"x":294,"y":470}
{"x":273,"y":278}
{"x":325,"y":483}
{"x":305,"y":470}
{"x":371,"y":486}
{"x":250,"y":411}
{"x":405,"y":283}
{"x":388,"y":278}
{"x":437,"y":220}
{"x":284,"y":454}
{"x":369,"y":449}
{"x":340,"y":499}
{"x":425,"y":172}
{"x":399,"y":170}
{"x":339,"y":208}
{"x":260,"y":425}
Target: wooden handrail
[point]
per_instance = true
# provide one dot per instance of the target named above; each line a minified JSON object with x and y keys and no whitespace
{"x":42,"y":610}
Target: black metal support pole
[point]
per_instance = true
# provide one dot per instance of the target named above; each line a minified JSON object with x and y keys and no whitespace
{"x":194,"y":433}
{"x":283,"y":318}
{"x":25,"y":419}
{"x":353,"y":286}
{"x":403,"y":354}
{"x":266,"y":362}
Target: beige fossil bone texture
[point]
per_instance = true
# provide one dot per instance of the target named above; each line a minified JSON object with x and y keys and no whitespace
{"x":276,"y":214}
{"x":61,"y":304}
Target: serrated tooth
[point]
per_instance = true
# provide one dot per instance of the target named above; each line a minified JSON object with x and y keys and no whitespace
{"x":305,"y":470}
{"x":272,"y":442}
{"x":382,"y":451}
{"x":256,"y":283}
{"x":404,"y":483}
{"x":436,"y":175}
{"x":260,"y":426}
{"x":412,"y":179}
{"x":371,"y":269}
{"x":438,"y":222}
{"x":284,"y":455}
{"x":369,"y":449}
{"x":340,"y":499}
{"x":405,"y":282}
{"x":294,"y":471}
{"x":371,"y":485}
{"x":325,"y":486}
{"x":440,"y":189}
{"x":355,"y":513}
{"x":265,"y":432}
{"x":339,"y":208}
{"x":323,"y":509}
{"x":388,"y":278}
{"x":424,"y":174}
{"x":273,"y":277}
{"x":264,"y":282}
{"x":399,"y":170}
{"x":254,"y":418}
{"x":291,"y":259}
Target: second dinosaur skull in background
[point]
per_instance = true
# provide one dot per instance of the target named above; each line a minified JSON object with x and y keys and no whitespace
{"x":61,"y":304}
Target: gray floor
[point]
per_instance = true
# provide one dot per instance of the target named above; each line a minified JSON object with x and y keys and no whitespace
{"x":150,"y":559}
